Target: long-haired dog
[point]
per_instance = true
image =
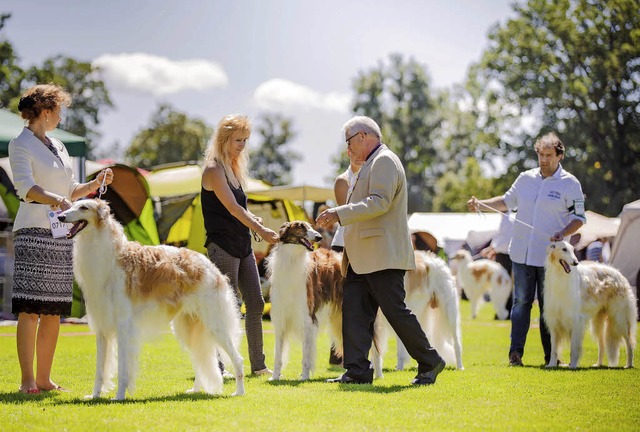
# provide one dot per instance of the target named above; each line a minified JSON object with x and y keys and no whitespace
{"x":306,"y":294}
{"x":133,"y":290}
{"x":432,"y":296}
{"x":481,"y":277}
{"x":576,"y":293}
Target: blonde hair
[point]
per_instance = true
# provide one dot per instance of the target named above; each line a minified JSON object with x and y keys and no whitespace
{"x":42,"y":97}
{"x":218,"y":151}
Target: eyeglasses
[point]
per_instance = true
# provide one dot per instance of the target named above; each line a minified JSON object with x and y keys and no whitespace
{"x":352,"y":137}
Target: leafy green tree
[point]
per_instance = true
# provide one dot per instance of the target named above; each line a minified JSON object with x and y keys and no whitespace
{"x":271,"y":162}
{"x":171,"y":137}
{"x":455,"y":188}
{"x":89,"y":94}
{"x":398,"y":96}
{"x":575,"y":66}
{"x":90,"y":97}
{"x":11,"y":75}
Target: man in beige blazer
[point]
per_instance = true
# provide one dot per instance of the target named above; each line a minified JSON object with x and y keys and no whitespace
{"x":377,"y":252}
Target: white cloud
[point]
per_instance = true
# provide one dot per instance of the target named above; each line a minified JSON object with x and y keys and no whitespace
{"x":282,"y":94}
{"x":146,"y":73}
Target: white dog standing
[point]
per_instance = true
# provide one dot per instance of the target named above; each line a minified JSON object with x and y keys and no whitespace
{"x":575,"y":293}
{"x":481,"y":277}
{"x":133,"y":290}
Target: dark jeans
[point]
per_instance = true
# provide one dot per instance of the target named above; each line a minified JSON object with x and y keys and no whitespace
{"x":528,"y":282}
{"x":363,"y":294}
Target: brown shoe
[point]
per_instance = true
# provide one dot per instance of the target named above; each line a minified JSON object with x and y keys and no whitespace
{"x":515,"y":359}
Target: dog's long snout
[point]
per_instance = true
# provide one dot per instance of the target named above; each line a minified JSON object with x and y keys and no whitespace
{"x":317,"y":237}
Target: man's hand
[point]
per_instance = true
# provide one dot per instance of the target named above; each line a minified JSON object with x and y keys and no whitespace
{"x":327,"y":218}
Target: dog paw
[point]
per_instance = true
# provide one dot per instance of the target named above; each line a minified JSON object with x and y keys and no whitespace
{"x":238,"y":393}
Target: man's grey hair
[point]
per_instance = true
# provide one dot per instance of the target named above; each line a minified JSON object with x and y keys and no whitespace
{"x":362,"y":124}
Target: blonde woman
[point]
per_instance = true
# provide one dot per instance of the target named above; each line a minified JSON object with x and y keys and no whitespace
{"x":228,"y":225}
{"x":43,"y":267}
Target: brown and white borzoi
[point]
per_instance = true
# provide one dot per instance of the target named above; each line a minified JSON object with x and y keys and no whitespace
{"x":306,"y":294}
{"x":132,"y":290}
{"x":481,"y":277}
{"x":576,"y":293}
{"x":432,"y":296}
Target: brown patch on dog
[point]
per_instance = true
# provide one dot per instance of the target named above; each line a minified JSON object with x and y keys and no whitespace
{"x":479,"y":272}
{"x":324,"y":281}
{"x":152,"y":273}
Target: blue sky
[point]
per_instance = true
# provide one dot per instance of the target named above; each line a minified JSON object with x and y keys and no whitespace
{"x":211,"y":58}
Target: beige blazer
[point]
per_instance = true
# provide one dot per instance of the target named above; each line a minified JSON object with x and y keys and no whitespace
{"x":32,"y":163}
{"x":376,"y":232}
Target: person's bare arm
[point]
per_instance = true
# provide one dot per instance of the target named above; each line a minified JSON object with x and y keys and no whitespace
{"x":496,"y":203}
{"x":213,"y":179}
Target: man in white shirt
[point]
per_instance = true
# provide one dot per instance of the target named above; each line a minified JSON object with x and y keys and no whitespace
{"x":550,"y":207}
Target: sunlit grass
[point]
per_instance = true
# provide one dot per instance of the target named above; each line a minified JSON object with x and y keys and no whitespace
{"x":488,"y":395}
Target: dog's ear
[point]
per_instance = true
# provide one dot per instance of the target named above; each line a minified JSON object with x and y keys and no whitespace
{"x":284,"y":228}
{"x":103,"y":210}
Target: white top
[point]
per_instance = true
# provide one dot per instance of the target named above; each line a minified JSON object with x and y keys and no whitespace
{"x":32,"y":163}
{"x":547,"y":204}
{"x":338,"y":236}
{"x":594,"y":251}
{"x":501,"y":240}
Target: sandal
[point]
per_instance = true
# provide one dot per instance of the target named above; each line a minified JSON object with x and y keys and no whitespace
{"x":33,"y":391}
{"x":56,"y":388}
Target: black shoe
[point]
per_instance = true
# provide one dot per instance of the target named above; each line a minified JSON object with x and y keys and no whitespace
{"x":346,"y":379}
{"x":515,"y":359}
{"x":426,"y":378}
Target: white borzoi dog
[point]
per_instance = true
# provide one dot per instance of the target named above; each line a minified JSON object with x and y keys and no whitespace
{"x":576,"y":293}
{"x":432,"y":296}
{"x":132,"y":290}
{"x":481,"y":277}
{"x":306,"y":294}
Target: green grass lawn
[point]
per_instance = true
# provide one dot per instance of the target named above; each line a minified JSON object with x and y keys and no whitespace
{"x":487,"y":395}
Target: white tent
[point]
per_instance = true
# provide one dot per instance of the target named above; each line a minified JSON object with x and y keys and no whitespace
{"x":451,"y":230}
{"x":597,"y":226}
{"x":624,"y":255}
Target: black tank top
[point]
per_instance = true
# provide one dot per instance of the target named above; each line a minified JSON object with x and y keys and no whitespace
{"x":222,"y":227}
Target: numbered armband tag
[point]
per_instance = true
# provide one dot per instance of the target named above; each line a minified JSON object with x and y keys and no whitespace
{"x":58,"y":229}
{"x":578,"y":207}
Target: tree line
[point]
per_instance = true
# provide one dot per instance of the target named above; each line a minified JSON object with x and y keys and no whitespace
{"x":571,"y":66}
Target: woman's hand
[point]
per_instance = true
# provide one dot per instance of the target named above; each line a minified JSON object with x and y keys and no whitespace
{"x":269,"y":235}
{"x":106,"y":176}
{"x":62,"y":204}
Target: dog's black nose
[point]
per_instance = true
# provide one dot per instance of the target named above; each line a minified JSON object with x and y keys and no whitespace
{"x":61,"y":218}
{"x":318,"y":237}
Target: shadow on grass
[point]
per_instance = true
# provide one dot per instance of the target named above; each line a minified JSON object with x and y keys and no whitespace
{"x":20,"y":398}
{"x":179,"y":397}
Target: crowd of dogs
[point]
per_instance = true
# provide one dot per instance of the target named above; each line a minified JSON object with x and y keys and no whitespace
{"x":133,"y":290}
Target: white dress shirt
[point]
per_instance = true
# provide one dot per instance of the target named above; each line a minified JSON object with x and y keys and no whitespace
{"x":548,"y":205}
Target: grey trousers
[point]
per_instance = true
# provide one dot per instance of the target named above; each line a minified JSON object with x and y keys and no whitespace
{"x":243,"y":275}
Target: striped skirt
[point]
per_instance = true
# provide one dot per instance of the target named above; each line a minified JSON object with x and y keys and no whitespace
{"x":43,"y":273}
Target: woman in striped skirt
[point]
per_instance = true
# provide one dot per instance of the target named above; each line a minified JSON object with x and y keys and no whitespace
{"x":43,"y":272}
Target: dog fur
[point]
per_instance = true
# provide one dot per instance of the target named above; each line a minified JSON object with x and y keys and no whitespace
{"x":432,"y":296}
{"x":133,"y":290}
{"x":481,"y":277}
{"x":576,"y":293}
{"x":306,"y":294}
